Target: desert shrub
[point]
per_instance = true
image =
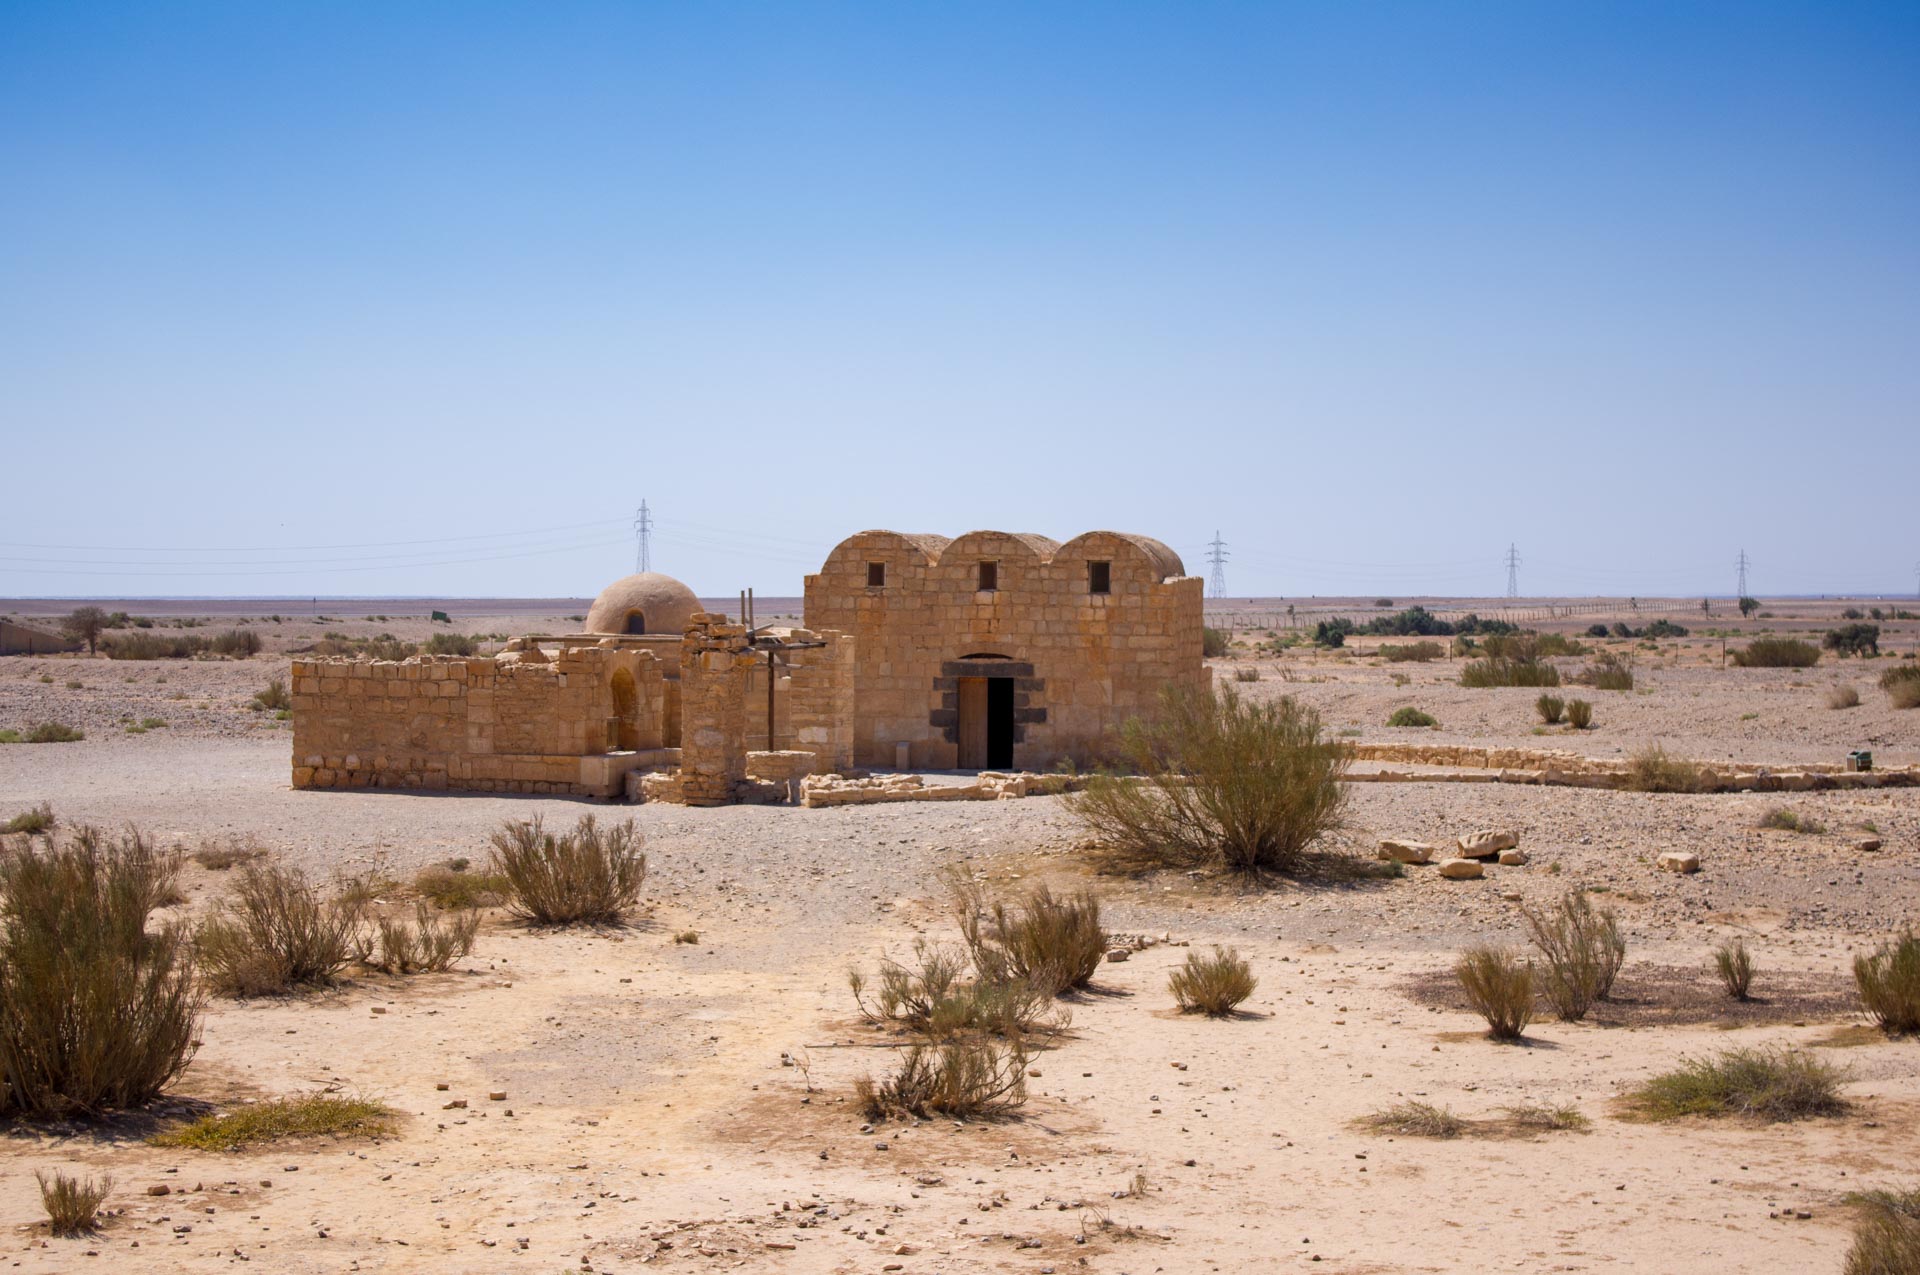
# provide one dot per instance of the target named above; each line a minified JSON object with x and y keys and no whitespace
{"x":1414,"y":653}
{"x":314,"y":1115}
{"x":1561,"y":1118}
{"x":1734,"y":963}
{"x":1597,"y":630}
{"x":141,"y":645}
{"x":1214,"y":643}
{"x":1212,"y":985}
{"x":1608,"y":672}
{"x":86,"y":625}
{"x":33,"y":822}
{"x":1227,"y":783}
{"x":1765,"y":1084}
{"x":1550,"y":708}
{"x":1546,"y":644}
{"x":1844,"y":696}
{"x":1414,"y":1120}
{"x":1499,"y":671}
{"x":430,"y":945}
{"x":1854,"y":639}
{"x":1332,"y":633}
{"x":72,"y":1204}
{"x":222,"y":853}
{"x":1248,"y":674}
{"x":1889,"y":983}
{"x":48,"y":733}
{"x":276,"y":932}
{"x":963,"y":1080}
{"x":1411,"y":717}
{"x":383,"y":647}
{"x":238,"y":643}
{"x":1898,"y":674}
{"x":1777,"y":653}
{"x":1583,"y":951}
{"x":1886,"y":1236}
{"x":97,"y":1011}
{"x":1054,"y":943}
{"x":275,"y":698}
{"x":1499,"y":986}
{"x":935,"y":995}
{"x":1902,"y":685}
{"x":450,"y":644}
{"x":454,"y":887}
{"x":1579,"y":714}
{"x":1653,"y":769}
{"x":1662,"y":628}
{"x":1782,"y":819}
{"x":589,"y":876}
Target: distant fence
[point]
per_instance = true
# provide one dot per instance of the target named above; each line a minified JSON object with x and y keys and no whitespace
{"x":1237,"y":618}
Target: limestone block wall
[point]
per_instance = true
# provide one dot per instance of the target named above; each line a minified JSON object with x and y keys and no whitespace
{"x":813,"y":701}
{"x":519,"y":722}
{"x":1082,"y":660}
{"x":714,"y":662}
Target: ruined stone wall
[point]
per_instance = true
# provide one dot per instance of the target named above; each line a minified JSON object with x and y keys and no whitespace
{"x":1082,"y":662}
{"x":813,"y":701}
{"x":714,"y":663}
{"x":519,"y":722}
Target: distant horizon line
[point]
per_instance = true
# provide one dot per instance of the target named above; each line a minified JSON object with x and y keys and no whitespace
{"x":311,"y":598}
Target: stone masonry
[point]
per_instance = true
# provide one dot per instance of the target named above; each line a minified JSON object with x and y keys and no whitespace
{"x":715,"y":659}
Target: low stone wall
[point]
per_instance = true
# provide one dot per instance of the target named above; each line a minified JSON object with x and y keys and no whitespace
{"x":833,"y":790}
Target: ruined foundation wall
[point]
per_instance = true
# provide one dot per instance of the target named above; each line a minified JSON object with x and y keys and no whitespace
{"x":714,"y":663}
{"x":813,"y":701}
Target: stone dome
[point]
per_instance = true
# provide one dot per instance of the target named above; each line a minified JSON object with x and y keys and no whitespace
{"x":645,"y":603}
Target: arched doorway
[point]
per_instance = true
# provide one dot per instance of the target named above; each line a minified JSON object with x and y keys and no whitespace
{"x":626,"y":711}
{"x":636,"y":622}
{"x":986,"y":731}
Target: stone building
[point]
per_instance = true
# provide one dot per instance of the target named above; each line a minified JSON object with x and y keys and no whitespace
{"x":990,"y":652}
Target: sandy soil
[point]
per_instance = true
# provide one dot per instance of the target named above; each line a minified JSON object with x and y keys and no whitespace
{"x":650,"y":1118}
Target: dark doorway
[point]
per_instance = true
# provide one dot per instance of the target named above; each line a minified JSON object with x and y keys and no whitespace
{"x":986,"y":723}
{"x":999,"y":723}
{"x":636,"y":622}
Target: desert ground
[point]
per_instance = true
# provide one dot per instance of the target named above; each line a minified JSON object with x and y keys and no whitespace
{"x":688,"y":1106}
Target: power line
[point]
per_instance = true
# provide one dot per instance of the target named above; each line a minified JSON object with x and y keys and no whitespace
{"x":643,"y":533}
{"x":1513,"y":571}
{"x":1742,"y":563}
{"x":371,"y":544}
{"x":1218,"y":558}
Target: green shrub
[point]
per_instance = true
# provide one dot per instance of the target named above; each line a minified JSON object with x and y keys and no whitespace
{"x":1597,"y":630}
{"x":45,"y":733}
{"x":1226,"y":783}
{"x":1782,"y":819}
{"x":589,"y":876}
{"x":1054,"y":943}
{"x":1579,"y":714}
{"x":277,"y":932}
{"x":32,"y":822}
{"x":450,"y":644}
{"x":1212,"y":985}
{"x":275,"y":698}
{"x":1608,"y":672}
{"x":1411,"y":717}
{"x":140,"y":645}
{"x":1583,"y":951}
{"x":1662,"y":628}
{"x":314,"y":1115}
{"x":1854,"y":639}
{"x":1495,"y":672}
{"x":1332,"y":633}
{"x":72,"y":1204}
{"x":1763,"y":1084}
{"x":1652,"y":769}
{"x":962,"y":1080}
{"x":97,"y":1009}
{"x":86,"y":625}
{"x":1213,"y":643}
{"x":1499,"y":986}
{"x":1734,"y":963}
{"x":1886,"y":1237}
{"x":1550,"y":708}
{"x":1415,"y":653}
{"x":1889,"y":983}
{"x":1777,"y":653}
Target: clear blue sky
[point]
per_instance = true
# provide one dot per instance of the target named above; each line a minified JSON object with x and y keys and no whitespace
{"x":1372,"y":289}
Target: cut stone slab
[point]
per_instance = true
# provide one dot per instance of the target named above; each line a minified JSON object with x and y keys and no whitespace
{"x":1401,"y":851}
{"x":1462,"y":869}
{"x":1679,"y":861}
{"x":1513,"y":858}
{"x":1487,"y":842}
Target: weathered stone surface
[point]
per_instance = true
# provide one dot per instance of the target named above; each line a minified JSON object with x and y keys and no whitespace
{"x":1679,"y":861}
{"x":1513,"y":858}
{"x":1487,"y":842}
{"x":1402,"y":851}
{"x":1461,"y":869}
{"x":1867,"y":844}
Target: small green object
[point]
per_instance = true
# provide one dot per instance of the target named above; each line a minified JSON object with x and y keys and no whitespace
{"x":1860,"y":759}
{"x":441,"y":617}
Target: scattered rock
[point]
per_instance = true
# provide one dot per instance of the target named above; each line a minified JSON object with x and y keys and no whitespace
{"x":1867,"y":845}
{"x":159,"y":1188}
{"x":1513,"y":858}
{"x":1679,"y":861}
{"x":1401,"y":851}
{"x":1461,"y":869}
{"x":1118,"y":954}
{"x":1487,"y":842}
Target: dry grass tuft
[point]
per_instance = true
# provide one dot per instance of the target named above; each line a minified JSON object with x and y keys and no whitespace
{"x":963,"y":1080}
{"x":32,"y":822}
{"x":1414,"y":1120}
{"x":1051,"y":943}
{"x":1652,"y":769}
{"x":1734,"y":963}
{"x":1541,"y":1118}
{"x":934,"y":996}
{"x":1551,"y":708}
{"x":314,"y":1115}
{"x":1889,"y":983}
{"x":1499,"y":986}
{"x":453,"y":887}
{"x":1769,"y":1084}
{"x":1212,"y":985}
{"x":276,"y":932}
{"x":1777,"y":653}
{"x":430,"y":945}
{"x":590,"y":876}
{"x":220,"y":854}
{"x":1843,"y":696}
{"x":275,"y":698}
{"x":72,"y":1204}
{"x":1579,"y":714}
{"x":1782,"y":819}
{"x":1583,"y":950}
{"x":1886,"y":1238}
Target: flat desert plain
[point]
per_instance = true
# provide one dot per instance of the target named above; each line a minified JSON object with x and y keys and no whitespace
{"x":630,"y":1100}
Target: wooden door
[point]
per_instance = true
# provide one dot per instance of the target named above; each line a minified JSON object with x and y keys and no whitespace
{"x":973,"y":723}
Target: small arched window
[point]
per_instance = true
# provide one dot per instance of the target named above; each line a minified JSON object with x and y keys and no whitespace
{"x":636,"y":622}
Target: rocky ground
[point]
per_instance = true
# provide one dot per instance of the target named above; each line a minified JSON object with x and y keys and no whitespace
{"x":652,"y":1118}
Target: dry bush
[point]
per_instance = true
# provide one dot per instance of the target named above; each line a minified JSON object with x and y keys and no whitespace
{"x":1248,"y":674}
{"x":32,"y":822}
{"x":1653,"y":769}
{"x":1843,"y":696}
{"x":1781,"y":819}
{"x":53,"y":733}
{"x":237,"y":643}
{"x":1777,"y":653}
{"x":1227,"y":784}
{"x":430,"y":945}
{"x":1054,"y":943}
{"x":1734,"y":963}
{"x":1886,"y":1236}
{"x":72,"y":1204}
{"x":1899,"y":673}
{"x":589,"y":876}
{"x":314,"y":1115}
{"x":1540,"y":1117}
{"x":153,"y":646}
{"x":450,"y":886}
{"x":1608,"y":672}
{"x":1764,"y":1084}
{"x":935,"y":995}
{"x":277,"y":932}
{"x":1904,"y":692}
{"x":275,"y":698}
{"x":222,"y":853}
{"x":1550,"y":708}
{"x":1889,"y":983}
{"x":1417,"y":653}
{"x":1499,"y":986}
{"x":1414,"y":1120}
{"x":1212,"y":985}
{"x":1214,"y":643}
{"x":97,"y":1011}
{"x":1579,"y":714}
{"x":1495,"y":671}
{"x":963,"y":1080}
{"x":1409,"y":716}
{"x":1583,"y":951}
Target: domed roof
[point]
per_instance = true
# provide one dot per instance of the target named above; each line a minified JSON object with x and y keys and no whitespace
{"x":645,"y":603}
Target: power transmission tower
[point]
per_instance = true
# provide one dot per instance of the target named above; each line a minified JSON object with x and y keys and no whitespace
{"x":1218,"y":557}
{"x":1513,"y":571}
{"x":1742,"y":563}
{"x":643,"y":536}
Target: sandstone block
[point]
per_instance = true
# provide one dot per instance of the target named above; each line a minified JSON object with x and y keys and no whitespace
{"x":1513,"y":858}
{"x":1679,"y":861}
{"x":1461,"y":869}
{"x":1487,"y":842}
{"x":1402,"y":851}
